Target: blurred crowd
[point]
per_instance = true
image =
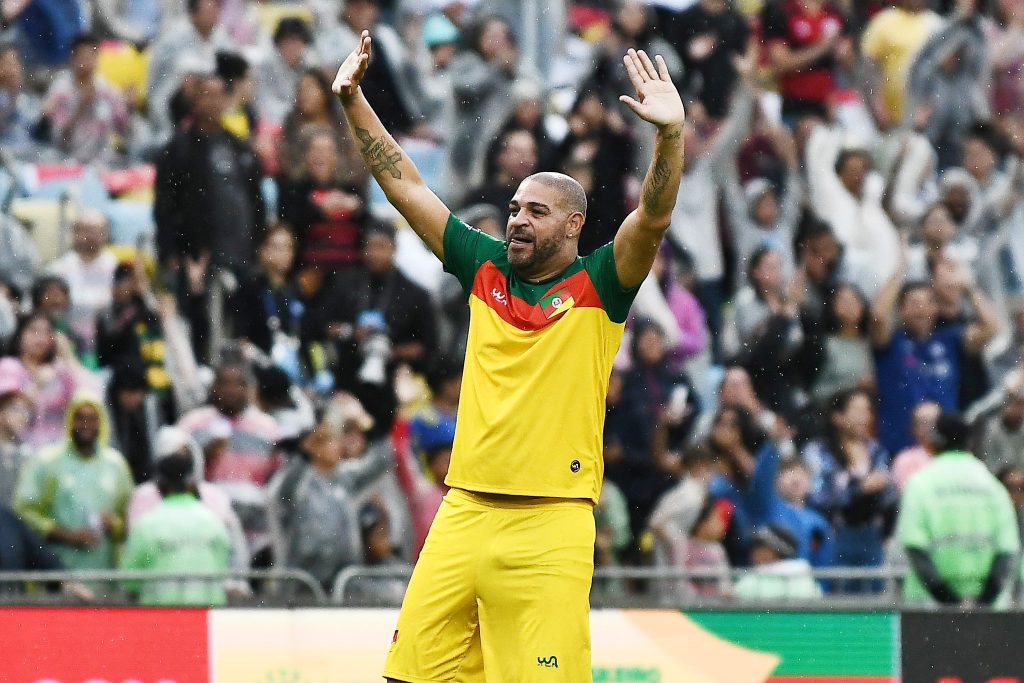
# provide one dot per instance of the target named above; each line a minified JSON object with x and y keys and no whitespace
{"x":262,"y":369}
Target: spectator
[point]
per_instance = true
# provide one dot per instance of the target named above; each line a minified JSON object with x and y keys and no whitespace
{"x":789,"y":509}
{"x":807,"y":42}
{"x":599,"y":142}
{"x":240,"y":442}
{"x":378,"y":553}
{"x":841,"y":354}
{"x":24,"y":551}
{"x":195,"y":38}
{"x":852,"y":486}
{"x":391,"y":80}
{"x":88,"y":270}
{"x":326,"y":212}
{"x":277,"y":78}
{"x":74,"y":494}
{"x":958,"y":526}
{"x":709,"y":36}
{"x":1001,"y":434}
{"x":424,"y":490}
{"x":758,"y":217}
{"x":778,"y":575}
{"x":317,"y":111}
{"x":19,"y":108}
{"x":889,"y":44}
{"x":172,"y":442}
{"x":51,"y":296}
{"x":612,"y":532}
{"x":680,"y":508}
{"x":378,"y":319}
{"x":179,"y":535}
{"x":940,"y":240}
{"x":135,"y":417}
{"x":912,"y":460}
{"x":15,"y":417}
{"x":312,"y":497}
{"x":920,"y":360}
{"x":44,"y":365}
{"x":83,"y":112}
{"x":705,"y":552}
{"x":829,"y":263}
{"x":437,"y":420}
{"x":239,"y":117}
{"x":268,"y":309}
{"x":529,"y":113}
{"x":1012,"y":478}
{"x":441,"y":38}
{"x":1007,"y":58}
{"x":516,"y":159}
{"x":950,"y":281}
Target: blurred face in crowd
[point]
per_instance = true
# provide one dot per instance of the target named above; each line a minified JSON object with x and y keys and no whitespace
{"x":277,"y":253}
{"x":766,"y":276}
{"x":855,"y":421}
{"x":848,"y":307}
{"x":206,"y":16}
{"x":918,"y":311}
{"x":947,"y":280}
{"x":761,"y":555}
{"x":650,"y":346}
{"x":726,"y":428}
{"x":54,"y":301}
{"x":310,"y":98}
{"x":794,"y":484}
{"x":89,"y":234}
{"x":1013,"y":413}
{"x":131,"y":400}
{"x":979,"y":158}
{"x":495,"y":40}
{"x":1013,"y":10}
{"x":541,"y":228}
{"x":353,"y":441}
{"x":958,"y":201}
{"x":379,"y":253}
{"x":210,"y":101}
{"x":83,"y":61}
{"x":1013,"y":480}
{"x":230,"y":392}
{"x":325,"y":445}
{"x":632,"y":18}
{"x":822,"y":253}
{"x":737,"y":389}
{"x":711,"y":527}
{"x":36,"y":342}
{"x":85,"y":427}
{"x":591,"y":110}
{"x":10,"y":68}
{"x":853,"y":172}
{"x":518,"y":157}
{"x":527,"y":113}
{"x":439,"y":463}
{"x":937,"y":227}
{"x":443,"y":55}
{"x":292,"y":49}
{"x":923,"y":421}
{"x":15,"y":416}
{"x":322,"y":158}
{"x":766,"y":211}
{"x":378,"y":543}
{"x":361,"y":15}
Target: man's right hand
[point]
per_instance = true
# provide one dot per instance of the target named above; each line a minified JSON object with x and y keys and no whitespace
{"x":346,"y":83}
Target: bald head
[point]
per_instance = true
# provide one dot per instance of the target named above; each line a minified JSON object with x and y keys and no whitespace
{"x":570,"y":192}
{"x":89,"y":233}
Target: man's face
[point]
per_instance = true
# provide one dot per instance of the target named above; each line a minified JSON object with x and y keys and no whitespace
{"x":292,"y":50}
{"x":537,"y":228}
{"x":923,"y":422}
{"x":83,"y":61}
{"x":853,"y":173}
{"x":979,"y":159}
{"x":794,"y":484}
{"x":938,"y":226}
{"x":379,"y":253}
{"x":85,"y":427}
{"x":737,"y":389}
{"x":88,"y":235}
{"x":518,"y":159}
{"x":206,"y":16}
{"x":958,"y":201}
{"x":231,"y":391}
{"x":918,"y":311}
{"x":822,"y":253}
{"x":278,"y":252}
{"x":210,"y":100}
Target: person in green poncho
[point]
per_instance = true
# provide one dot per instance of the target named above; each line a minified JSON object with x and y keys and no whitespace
{"x":180,"y":535}
{"x":958,"y":526}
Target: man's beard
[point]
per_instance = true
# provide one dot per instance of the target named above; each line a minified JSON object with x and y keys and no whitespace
{"x":526,"y":264}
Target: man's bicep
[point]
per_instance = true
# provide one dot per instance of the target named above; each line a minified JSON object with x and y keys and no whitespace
{"x":427,"y":216}
{"x":636,"y":245}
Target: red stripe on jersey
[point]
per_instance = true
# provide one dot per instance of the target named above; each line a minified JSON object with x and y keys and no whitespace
{"x":491,"y":286}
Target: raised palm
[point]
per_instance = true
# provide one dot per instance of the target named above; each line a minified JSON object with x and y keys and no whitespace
{"x":352,"y":69}
{"x":657,"y":100}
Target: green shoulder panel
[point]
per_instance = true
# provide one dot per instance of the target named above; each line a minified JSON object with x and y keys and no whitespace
{"x":600,"y":266}
{"x":466,"y":249}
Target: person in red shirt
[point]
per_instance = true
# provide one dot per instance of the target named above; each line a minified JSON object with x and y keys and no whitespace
{"x":807,"y":41}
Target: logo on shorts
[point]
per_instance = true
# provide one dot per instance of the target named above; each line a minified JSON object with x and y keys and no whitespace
{"x":575,"y":466}
{"x":394,"y":638}
{"x":548,"y":662}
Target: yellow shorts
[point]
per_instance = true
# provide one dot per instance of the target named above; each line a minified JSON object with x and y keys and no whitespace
{"x":501,"y":593}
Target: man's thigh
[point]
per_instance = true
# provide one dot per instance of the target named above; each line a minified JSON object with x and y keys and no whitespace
{"x":437,"y":633}
{"x":534,"y":598}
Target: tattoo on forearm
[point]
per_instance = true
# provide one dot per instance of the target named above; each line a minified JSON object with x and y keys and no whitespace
{"x":655,"y":185}
{"x":673,"y":134}
{"x":380,"y":153}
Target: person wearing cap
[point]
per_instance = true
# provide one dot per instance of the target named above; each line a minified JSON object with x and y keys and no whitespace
{"x":958,"y":526}
{"x":180,"y":535}
{"x":15,"y":416}
{"x":441,"y":39}
{"x":312,"y":497}
{"x":374,"y":591}
{"x":777,"y":574}
{"x":278,"y":76}
{"x":75,"y":494}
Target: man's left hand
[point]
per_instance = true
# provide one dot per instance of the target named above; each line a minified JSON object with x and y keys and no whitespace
{"x":657,"y":100}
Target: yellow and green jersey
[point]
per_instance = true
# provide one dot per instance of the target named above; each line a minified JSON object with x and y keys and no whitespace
{"x":531,"y":413}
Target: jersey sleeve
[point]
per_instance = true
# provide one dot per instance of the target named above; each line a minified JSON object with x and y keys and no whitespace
{"x":466,"y":249}
{"x":600,"y":265}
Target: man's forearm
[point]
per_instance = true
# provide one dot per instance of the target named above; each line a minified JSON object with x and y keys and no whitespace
{"x":388,"y":163}
{"x":661,"y":184}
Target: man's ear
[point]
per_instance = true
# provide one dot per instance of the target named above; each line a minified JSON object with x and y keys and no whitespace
{"x":574,"y":225}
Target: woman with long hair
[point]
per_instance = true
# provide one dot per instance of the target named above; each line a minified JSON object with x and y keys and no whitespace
{"x":851,"y":485}
{"x":841,"y":354}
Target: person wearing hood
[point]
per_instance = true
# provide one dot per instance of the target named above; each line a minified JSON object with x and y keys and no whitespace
{"x":171,"y":442}
{"x":180,"y":535}
{"x":75,"y":494}
{"x":778,"y":575}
